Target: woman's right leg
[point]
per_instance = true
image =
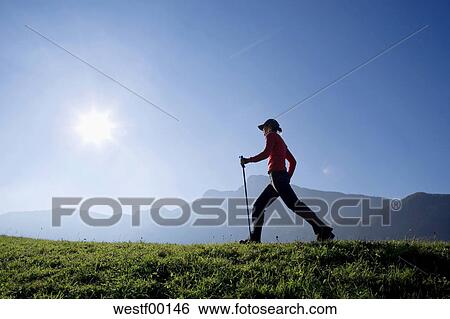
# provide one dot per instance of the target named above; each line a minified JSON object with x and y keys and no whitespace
{"x":267,"y":197}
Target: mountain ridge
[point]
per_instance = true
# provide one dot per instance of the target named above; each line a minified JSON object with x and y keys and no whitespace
{"x":423,"y":215}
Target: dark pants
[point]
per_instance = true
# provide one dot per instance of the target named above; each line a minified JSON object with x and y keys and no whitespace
{"x":280,"y":187}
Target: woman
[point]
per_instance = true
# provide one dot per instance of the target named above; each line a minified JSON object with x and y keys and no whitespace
{"x":277,"y":152}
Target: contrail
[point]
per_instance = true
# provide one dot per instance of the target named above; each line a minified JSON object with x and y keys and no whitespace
{"x":103,"y":73}
{"x":353,"y":70}
{"x":256,"y":43}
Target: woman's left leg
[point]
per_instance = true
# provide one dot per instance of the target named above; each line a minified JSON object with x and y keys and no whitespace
{"x":281,"y":183}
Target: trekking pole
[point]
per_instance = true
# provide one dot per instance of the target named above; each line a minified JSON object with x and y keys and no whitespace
{"x":246,"y":197}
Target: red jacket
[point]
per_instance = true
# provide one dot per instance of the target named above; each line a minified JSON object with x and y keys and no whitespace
{"x":277,"y":152}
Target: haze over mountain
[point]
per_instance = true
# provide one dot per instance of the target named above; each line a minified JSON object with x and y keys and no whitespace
{"x":422,"y":215}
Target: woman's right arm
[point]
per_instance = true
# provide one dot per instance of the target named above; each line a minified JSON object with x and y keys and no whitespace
{"x":270,"y":142}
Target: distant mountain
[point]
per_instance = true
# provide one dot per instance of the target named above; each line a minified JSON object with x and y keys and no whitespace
{"x":422,"y":216}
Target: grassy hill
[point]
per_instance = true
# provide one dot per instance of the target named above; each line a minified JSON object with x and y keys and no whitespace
{"x":32,"y":268}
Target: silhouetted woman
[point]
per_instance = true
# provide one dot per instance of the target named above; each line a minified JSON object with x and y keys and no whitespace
{"x":277,"y":152}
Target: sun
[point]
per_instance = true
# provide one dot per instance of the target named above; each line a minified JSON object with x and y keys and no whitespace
{"x":95,"y":127}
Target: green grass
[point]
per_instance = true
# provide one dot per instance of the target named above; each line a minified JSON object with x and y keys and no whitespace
{"x":32,"y":268}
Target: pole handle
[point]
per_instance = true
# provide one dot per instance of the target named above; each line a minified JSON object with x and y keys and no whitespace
{"x":241,"y":157}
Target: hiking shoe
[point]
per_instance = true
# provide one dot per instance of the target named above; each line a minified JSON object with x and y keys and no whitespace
{"x":249,"y":241}
{"x":325,"y":233}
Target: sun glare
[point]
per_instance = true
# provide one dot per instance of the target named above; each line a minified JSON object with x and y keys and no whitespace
{"x":95,"y":127}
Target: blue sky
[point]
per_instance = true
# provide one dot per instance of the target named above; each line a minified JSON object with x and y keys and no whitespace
{"x":222,"y":67}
